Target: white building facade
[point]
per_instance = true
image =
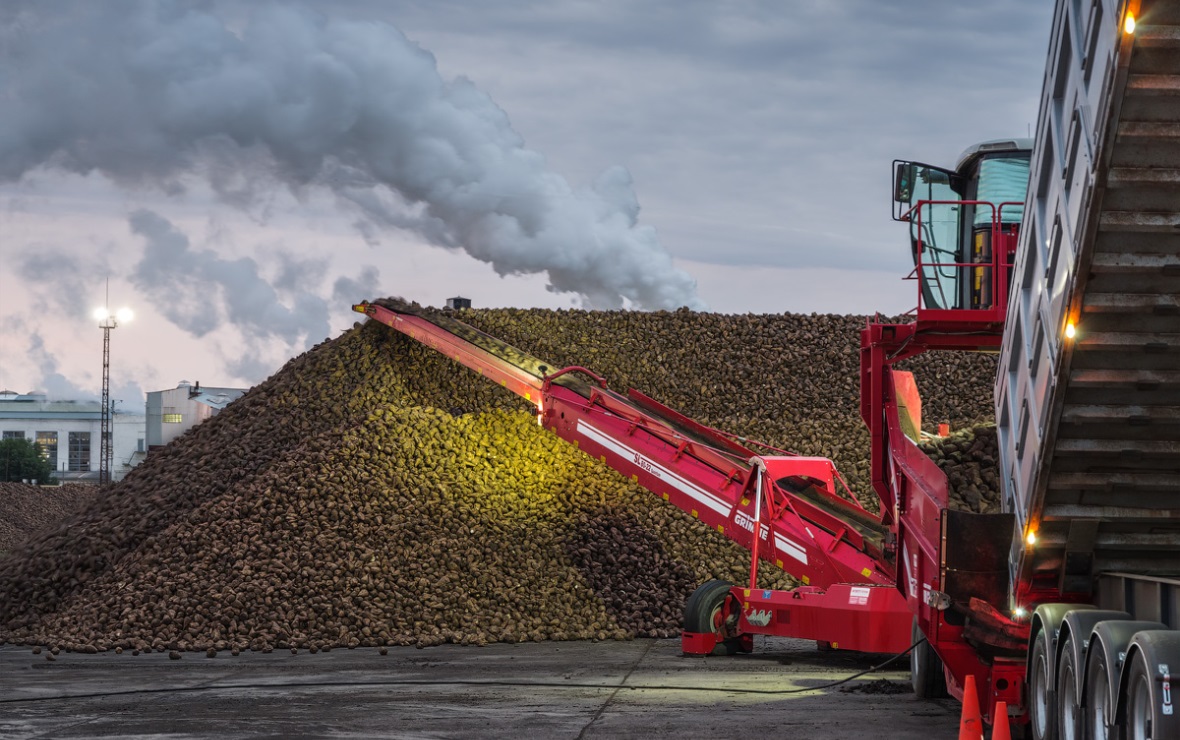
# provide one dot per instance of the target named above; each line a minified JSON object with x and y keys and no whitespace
{"x":172,"y":412}
{"x":70,"y":434}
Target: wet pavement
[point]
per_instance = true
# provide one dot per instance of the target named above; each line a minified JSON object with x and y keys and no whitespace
{"x":644,"y":688}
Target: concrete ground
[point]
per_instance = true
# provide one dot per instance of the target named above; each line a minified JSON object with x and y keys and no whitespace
{"x":643,"y":689}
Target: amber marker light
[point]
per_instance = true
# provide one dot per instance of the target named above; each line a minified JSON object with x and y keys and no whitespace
{"x":1031,"y":538}
{"x":1071,"y":331}
{"x":1129,"y":23}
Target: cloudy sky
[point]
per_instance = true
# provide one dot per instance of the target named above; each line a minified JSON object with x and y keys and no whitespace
{"x":243,"y":172}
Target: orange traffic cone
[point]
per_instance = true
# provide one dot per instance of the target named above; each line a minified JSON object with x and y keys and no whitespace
{"x":970,"y":724}
{"x":1000,"y":728}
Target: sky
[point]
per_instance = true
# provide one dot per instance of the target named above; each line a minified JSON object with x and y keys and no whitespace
{"x":241,"y":173}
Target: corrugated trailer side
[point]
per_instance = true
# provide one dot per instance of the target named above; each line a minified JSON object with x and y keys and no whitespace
{"x":1089,"y":424}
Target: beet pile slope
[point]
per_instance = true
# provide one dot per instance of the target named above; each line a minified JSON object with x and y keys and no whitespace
{"x":374,"y":493}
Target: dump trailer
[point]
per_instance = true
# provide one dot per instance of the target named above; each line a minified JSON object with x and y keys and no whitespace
{"x":1088,"y":388}
{"x":1061,"y":256}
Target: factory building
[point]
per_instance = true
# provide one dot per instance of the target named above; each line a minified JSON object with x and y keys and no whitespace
{"x":69,"y":433}
{"x":172,"y":412}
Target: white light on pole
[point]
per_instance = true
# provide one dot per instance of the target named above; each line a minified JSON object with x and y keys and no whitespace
{"x":106,"y":452}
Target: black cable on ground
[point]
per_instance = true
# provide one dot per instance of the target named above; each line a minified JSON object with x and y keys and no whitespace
{"x":461,"y":682}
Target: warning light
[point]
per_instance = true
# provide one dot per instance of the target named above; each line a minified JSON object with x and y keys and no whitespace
{"x":1129,"y":23}
{"x":1031,"y":538}
{"x":1070,"y":330}
{"x":1019,"y":612}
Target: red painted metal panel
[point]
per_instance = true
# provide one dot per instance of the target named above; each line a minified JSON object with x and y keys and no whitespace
{"x":697,"y":643}
{"x":850,"y":616}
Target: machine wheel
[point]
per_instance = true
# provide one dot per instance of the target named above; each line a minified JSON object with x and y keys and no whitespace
{"x":926,"y":674}
{"x":1098,"y":709}
{"x":1070,"y":714}
{"x":710,"y":609}
{"x":1042,"y":714}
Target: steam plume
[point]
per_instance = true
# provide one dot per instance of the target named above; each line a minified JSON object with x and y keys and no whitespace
{"x":198,"y":291}
{"x":149,"y":93}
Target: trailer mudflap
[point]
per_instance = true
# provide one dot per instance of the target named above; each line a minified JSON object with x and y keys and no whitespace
{"x":975,"y":557}
{"x":975,"y":581}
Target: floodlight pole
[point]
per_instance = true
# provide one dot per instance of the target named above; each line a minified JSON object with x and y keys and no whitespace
{"x":106,"y":452}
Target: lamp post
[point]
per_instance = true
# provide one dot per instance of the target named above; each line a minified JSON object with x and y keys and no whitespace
{"x":106,"y":452}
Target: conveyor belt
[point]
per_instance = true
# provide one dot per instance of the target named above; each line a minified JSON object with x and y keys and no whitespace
{"x":644,"y":412}
{"x":580,"y":384}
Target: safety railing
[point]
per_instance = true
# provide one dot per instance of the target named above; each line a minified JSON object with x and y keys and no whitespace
{"x":977,"y":285}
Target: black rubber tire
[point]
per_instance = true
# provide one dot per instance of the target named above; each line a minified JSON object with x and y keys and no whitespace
{"x":1141,"y":710}
{"x":704,"y":612}
{"x":1042,"y":712}
{"x":1098,"y":678}
{"x":1069,"y":711}
{"x":926,"y":674}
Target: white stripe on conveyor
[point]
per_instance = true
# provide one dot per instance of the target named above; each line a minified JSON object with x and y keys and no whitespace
{"x":687,"y":488}
{"x":790,"y":548}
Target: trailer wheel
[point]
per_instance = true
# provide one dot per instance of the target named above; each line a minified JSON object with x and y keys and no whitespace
{"x":1145,"y":703}
{"x":1140,"y":708}
{"x":1070,"y":714}
{"x":1042,"y":720}
{"x":1098,"y":710}
{"x":926,"y":674}
{"x":711,"y":610}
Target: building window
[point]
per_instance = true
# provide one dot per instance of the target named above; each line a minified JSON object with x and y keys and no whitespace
{"x":79,"y":452}
{"x":13,"y":435}
{"x":172,"y":418}
{"x":48,"y":444}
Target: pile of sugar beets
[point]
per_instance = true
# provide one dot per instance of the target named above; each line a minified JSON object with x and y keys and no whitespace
{"x":26,"y":509}
{"x":373,"y":492}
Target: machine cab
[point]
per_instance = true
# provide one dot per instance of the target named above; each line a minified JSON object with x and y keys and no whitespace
{"x":963,"y":226}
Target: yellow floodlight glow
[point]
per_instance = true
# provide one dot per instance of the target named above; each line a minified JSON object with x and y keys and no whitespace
{"x":1129,"y":23}
{"x":1071,"y":331}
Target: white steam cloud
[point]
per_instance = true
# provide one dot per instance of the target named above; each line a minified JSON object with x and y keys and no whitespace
{"x":148,"y":93}
{"x":200,"y":291}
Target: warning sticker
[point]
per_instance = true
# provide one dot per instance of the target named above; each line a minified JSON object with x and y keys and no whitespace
{"x":1166,"y":692}
{"x":858,"y":596}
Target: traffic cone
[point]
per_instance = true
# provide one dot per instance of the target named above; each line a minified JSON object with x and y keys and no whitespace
{"x":1000,"y":728}
{"x":970,"y":724}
